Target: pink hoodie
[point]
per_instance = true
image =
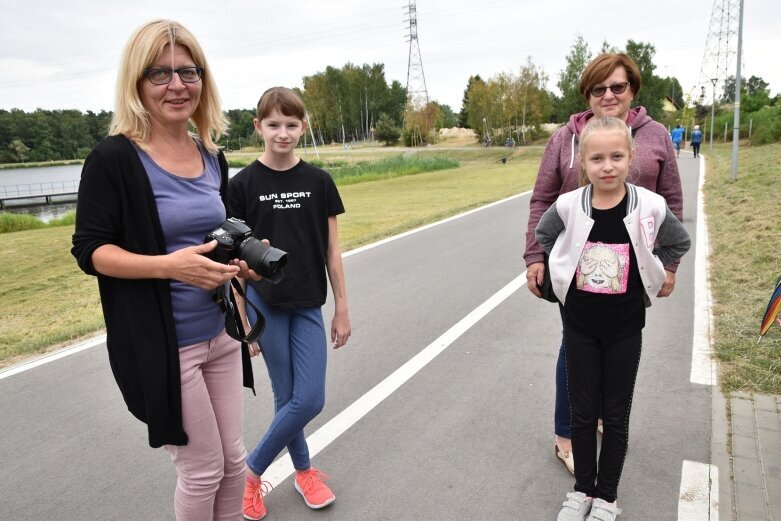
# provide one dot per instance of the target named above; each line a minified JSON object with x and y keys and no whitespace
{"x":654,"y":167}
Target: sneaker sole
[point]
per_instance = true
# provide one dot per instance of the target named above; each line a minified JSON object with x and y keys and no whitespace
{"x":312,"y":505}
{"x":247,"y":518}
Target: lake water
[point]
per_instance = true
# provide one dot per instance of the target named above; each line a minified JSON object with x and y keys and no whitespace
{"x":61,"y":205}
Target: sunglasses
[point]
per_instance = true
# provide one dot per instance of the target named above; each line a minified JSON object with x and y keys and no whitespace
{"x":617,"y":88}
{"x":165,"y":76}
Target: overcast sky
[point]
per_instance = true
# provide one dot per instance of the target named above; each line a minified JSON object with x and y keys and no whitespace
{"x":63,"y":55}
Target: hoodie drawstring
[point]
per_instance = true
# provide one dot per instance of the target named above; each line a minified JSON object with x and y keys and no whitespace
{"x":572,"y":151}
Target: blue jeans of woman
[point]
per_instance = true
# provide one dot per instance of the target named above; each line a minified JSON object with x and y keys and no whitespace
{"x":294,"y":348}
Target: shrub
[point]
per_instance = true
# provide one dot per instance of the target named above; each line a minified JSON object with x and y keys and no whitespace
{"x":19,"y":222}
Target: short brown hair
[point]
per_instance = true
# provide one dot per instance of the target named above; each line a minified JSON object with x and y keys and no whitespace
{"x":603,"y":66}
{"x":284,"y":100}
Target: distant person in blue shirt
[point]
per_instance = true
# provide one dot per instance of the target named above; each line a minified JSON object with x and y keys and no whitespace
{"x":677,"y":135}
{"x":696,"y":140}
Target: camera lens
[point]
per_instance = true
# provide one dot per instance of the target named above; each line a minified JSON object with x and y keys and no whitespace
{"x":264,"y":259}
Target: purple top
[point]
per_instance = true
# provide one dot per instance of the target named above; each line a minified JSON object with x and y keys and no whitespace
{"x":189,"y":208}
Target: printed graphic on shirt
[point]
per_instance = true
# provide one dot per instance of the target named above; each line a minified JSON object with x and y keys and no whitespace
{"x":285,"y":200}
{"x":603,"y":268}
{"x":649,"y":230}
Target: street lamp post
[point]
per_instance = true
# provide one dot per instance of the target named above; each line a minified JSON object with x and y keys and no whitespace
{"x":712,"y":111}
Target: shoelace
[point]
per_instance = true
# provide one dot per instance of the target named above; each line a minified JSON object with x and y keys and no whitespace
{"x":265,"y":487}
{"x":311,"y":478}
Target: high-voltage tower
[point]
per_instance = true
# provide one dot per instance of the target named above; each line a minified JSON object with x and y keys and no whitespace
{"x":417,"y":92}
{"x":718,"y":60}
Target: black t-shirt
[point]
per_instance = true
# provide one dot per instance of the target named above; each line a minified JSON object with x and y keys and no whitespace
{"x":606,"y":293}
{"x":290,"y":208}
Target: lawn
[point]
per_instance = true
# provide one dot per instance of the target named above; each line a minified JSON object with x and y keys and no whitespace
{"x":745,"y":234}
{"x":47,"y":300}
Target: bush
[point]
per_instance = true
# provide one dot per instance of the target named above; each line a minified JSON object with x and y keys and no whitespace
{"x":394,"y":166}
{"x":19,"y":222}
{"x":387,"y":132}
{"x":13,"y":222}
{"x":766,"y":127}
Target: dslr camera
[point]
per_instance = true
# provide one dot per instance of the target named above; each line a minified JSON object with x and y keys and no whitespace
{"x":235,"y":241}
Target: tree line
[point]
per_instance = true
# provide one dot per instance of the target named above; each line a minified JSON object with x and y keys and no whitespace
{"x":354,"y":103}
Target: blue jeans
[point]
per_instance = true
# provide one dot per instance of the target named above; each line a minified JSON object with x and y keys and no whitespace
{"x":295,"y":351}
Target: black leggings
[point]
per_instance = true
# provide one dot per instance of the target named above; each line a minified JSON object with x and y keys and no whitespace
{"x":601,"y":373}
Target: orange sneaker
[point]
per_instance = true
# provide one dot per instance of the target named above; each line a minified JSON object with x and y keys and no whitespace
{"x":254,"y":509}
{"x":309,"y":484}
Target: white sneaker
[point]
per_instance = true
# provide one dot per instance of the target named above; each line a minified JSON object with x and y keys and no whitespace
{"x":576,"y":507}
{"x":601,"y":510}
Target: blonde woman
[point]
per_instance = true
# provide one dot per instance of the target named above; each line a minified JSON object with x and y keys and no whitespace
{"x":149,"y":194}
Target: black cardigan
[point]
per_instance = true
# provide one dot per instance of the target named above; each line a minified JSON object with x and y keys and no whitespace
{"x":116,"y":205}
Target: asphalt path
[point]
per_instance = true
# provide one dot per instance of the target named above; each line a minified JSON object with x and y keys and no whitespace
{"x":464,"y":435}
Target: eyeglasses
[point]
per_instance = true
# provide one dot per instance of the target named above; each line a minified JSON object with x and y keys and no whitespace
{"x":599,"y":90}
{"x":164,"y":76}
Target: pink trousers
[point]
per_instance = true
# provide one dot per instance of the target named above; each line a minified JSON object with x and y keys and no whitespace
{"x":210,"y":468}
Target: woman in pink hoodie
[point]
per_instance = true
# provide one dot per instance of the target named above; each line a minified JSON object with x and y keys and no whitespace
{"x":609,"y":84}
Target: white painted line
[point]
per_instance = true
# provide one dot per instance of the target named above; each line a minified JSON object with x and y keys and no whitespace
{"x":703,"y":370}
{"x":426,"y":227}
{"x":699,"y":496}
{"x":24,"y":366}
{"x":320,"y":439}
{"x":51,"y":357}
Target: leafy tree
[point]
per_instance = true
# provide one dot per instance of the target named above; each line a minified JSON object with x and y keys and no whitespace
{"x":754,"y":93}
{"x":463,"y":116}
{"x":241,"y":131}
{"x":18,"y":150}
{"x":670,"y":86}
{"x":509,"y":105}
{"x":419,"y":124}
{"x":386,"y":130}
{"x":345,"y":103}
{"x":449,"y":118}
{"x":653,"y":88}
{"x":571,"y":100}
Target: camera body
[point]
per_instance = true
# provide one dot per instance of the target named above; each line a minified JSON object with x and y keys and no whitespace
{"x":235,"y":241}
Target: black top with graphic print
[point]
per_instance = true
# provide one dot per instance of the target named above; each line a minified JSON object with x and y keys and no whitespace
{"x":606,"y":294}
{"x":290,"y":208}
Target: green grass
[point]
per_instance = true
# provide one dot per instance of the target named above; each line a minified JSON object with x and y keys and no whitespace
{"x":48,"y":300}
{"x":36,"y":164}
{"x":15,"y":222}
{"x":345,"y":173}
{"x":745,"y":235}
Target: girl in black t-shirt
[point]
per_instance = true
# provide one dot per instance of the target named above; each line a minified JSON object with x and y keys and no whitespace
{"x":294,"y":205}
{"x":608,"y":243}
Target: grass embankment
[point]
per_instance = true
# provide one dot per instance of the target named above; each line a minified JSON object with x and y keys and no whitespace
{"x":745,"y":234}
{"x":48,"y":300}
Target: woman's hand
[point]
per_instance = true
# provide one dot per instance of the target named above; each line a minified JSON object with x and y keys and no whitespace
{"x":535,"y":275}
{"x":189,"y":265}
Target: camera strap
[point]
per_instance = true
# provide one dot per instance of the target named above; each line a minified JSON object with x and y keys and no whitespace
{"x":233,"y":324}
